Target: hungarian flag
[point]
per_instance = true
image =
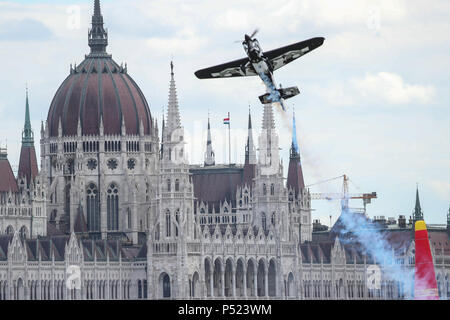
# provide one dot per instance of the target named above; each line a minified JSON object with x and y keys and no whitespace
{"x":226,"y":121}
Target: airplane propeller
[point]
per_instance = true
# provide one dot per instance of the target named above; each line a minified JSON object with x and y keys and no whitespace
{"x":251,"y":36}
{"x":254,"y":33}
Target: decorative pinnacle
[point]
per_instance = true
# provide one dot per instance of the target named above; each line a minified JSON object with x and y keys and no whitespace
{"x":97,"y":11}
{"x":27,"y":134}
{"x":98,"y":36}
{"x":418,"y":214}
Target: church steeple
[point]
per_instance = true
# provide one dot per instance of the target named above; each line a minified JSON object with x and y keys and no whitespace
{"x":27,"y":134}
{"x":418,"y":214}
{"x":209,"y":156}
{"x":98,"y":36}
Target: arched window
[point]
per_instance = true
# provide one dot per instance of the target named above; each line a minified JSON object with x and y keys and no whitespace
{"x":129,"y":218}
{"x":23,"y":232}
{"x":168,"y":223}
{"x":139,"y":289}
{"x":272,"y":189}
{"x":157,"y":233}
{"x":273,"y":218}
{"x":10,"y":230}
{"x":67,"y":200}
{"x":177,"y":185}
{"x":112,"y":207}
{"x":145,"y":289}
{"x":166,"y":286}
{"x":264,"y":189}
{"x":92,"y":206}
{"x":169,"y":187}
{"x":263,"y":221}
{"x":53,"y":215}
{"x":177,"y":218}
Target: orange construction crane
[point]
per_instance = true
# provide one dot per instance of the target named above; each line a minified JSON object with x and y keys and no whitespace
{"x":344,"y":196}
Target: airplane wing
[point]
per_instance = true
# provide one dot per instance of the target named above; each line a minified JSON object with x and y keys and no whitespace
{"x":282,"y":56}
{"x":237,"y":68}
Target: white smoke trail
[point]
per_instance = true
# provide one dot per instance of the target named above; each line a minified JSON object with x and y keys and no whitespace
{"x":376,"y":245}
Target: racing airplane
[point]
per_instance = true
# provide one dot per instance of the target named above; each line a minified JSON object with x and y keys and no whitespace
{"x":263,"y":64}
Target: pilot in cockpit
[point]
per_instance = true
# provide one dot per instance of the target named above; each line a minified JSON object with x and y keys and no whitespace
{"x":245,"y":47}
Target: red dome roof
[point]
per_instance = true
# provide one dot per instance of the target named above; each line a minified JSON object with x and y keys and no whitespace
{"x":98,"y":88}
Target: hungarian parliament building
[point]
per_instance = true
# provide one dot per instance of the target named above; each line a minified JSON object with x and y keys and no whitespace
{"x":115,"y":211}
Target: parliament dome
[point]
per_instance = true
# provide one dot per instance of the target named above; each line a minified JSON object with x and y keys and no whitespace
{"x":98,"y":91}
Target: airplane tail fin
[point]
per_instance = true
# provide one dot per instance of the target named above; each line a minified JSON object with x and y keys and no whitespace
{"x":425,"y":287}
{"x":285,"y":93}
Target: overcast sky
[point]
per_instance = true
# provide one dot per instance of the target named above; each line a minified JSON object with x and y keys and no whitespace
{"x":373,"y":103}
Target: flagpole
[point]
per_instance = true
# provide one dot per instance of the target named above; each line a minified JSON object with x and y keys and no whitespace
{"x":229,"y":138}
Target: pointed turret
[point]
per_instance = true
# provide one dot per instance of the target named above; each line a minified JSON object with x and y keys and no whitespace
{"x":79,"y":129}
{"x":268,"y":143}
{"x":101,"y":127}
{"x":209,"y":155}
{"x":295,"y":173}
{"x":98,"y":36}
{"x":28,"y":167}
{"x":27,"y":134}
{"x":295,"y":151}
{"x":418,"y":214}
{"x":173,"y":113}
{"x":250,"y":150}
{"x":250,"y":155}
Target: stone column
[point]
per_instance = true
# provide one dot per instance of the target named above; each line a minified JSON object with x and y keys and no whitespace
{"x":255,"y":283}
{"x":266,"y":282}
{"x":244,"y":282}
{"x":233,"y":282}
{"x":222,"y":276}
{"x":211,"y":282}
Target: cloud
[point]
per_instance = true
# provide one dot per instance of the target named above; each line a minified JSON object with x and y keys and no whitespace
{"x":24,"y":30}
{"x":442,"y":188}
{"x":382,"y":87}
{"x":169,"y":46}
{"x":391,"y":88}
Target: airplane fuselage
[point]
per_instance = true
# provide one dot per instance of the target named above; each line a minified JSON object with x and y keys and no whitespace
{"x":262,"y":67}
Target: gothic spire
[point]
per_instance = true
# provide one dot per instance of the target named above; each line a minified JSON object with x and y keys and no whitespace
{"x":173,"y":114}
{"x":28,"y":167}
{"x":295,"y":152}
{"x":268,"y":119}
{"x":295,"y":178}
{"x":250,"y":151}
{"x":27,"y":134}
{"x":418,"y":214}
{"x":209,"y":156}
{"x":98,"y":36}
